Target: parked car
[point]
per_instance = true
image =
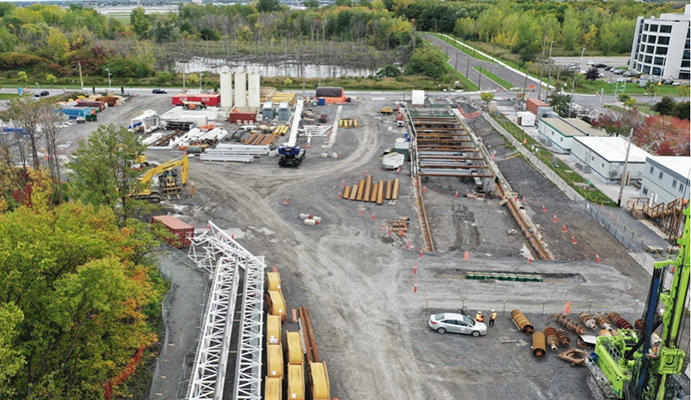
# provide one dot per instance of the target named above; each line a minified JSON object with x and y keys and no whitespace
{"x":159,"y":91}
{"x":44,"y":93}
{"x":668,"y":81}
{"x":600,"y":65}
{"x":456,"y":323}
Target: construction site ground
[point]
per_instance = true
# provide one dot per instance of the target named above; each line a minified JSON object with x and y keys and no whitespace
{"x":370,"y":294}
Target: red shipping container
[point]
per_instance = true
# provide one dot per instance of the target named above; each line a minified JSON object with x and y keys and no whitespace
{"x":533,"y":104}
{"x":211,"y":100}
{"x":238,"y":116}
{"x":183,"y":232}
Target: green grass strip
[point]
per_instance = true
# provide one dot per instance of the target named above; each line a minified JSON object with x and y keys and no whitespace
{"x":464,"y":49}
{"x":571,"y":177}
{"x":490,"y":75}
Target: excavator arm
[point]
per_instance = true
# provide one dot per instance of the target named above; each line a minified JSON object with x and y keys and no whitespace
{"x":152,"y":194}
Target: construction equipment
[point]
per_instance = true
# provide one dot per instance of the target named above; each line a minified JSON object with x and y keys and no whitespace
{"x":290,"y":156}
{"x":164,"y":181}
{"x":631,"y":365}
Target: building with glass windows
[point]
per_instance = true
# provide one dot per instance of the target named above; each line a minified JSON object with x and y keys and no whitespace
{"x":660,"y":46}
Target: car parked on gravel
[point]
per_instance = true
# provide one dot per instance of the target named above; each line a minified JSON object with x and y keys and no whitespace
{"x":456,"y":323}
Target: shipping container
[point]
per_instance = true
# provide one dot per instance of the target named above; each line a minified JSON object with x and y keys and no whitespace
{"x":183,"y":232}
{"x":273,"y":388}
{"x":296,"y":382}
{"x":294,"y":348}
{"x":239,"y":116}
{"x":211,"y":100}
{"x":329,"y":92}
{"x":274,"y":360}
{"x":77,"y":112}
{"x":533,"y":104}
{"x":273,"y":280}
{"x":273,"y":329}
{"x":277,"y":304}
{"x":321,"y":388}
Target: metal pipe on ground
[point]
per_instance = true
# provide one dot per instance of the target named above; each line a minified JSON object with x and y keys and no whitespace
{"x":360,"y":190}
{"x":552,"y":339}
{"x":396,"y":188}
{"x":569,"y":324}
{"x":353,"y":192}
{"x":521,"y":322}
{"x":538,"y":346}
{"x":368,"y":189}
{"x":389,"y":189}
{"x":587,"y":319}
{"x":373,"y":195}
{"x":380,"y":193}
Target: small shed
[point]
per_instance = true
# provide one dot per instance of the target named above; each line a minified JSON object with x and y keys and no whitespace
{"x":182,"y":231}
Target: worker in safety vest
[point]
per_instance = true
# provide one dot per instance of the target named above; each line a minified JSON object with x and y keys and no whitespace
{"x":492,"y":318}
{"x":479,"y":317}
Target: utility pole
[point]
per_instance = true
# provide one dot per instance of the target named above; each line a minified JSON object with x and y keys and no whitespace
{"x":109,"y":85}
{"x":81,"y":81}
{"x":626,"y":164}
{"x":582,"y":66}
{"x":201,"y":79}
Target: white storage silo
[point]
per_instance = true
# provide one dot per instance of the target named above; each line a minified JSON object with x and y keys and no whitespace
{"x":226,"y":88}
{"x":240,"y":89}
{"x":253,"y":90}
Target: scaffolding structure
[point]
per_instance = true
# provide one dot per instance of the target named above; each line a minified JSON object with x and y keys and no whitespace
{"x":216,"y":252}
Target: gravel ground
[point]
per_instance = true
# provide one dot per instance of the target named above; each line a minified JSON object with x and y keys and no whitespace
{"x":359,"y":284}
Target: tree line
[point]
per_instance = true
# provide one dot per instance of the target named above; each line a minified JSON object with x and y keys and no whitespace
{"x":80,"y":291}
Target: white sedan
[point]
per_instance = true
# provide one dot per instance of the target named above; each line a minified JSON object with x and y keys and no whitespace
{"x":456,"y":323}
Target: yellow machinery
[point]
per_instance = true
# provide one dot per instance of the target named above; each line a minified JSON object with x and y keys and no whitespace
{"x":164,"y":181}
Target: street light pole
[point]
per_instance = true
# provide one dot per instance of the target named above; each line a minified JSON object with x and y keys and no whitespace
{"x":109,"y":85}
{"x":626,"y":164}
{"x":582,"y":66}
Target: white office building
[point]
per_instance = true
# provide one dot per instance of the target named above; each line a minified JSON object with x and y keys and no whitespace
{"x":660,"y":46}
{"x":606,"y":156}
{"x":558,"y":133}
{"x":666,"y":179}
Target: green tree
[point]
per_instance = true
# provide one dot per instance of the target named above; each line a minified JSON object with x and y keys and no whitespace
{"x":84,"y":296}
{"x":427,"y":61}
{"x":666,"y":106}
{"x":7,"y":40}
{"x":311,"y":3}
{"x":141,"y":24}
{"x":570,"y":29}
{"x":11,"y":358}
{"x":487,"y":97}
{"x":57,"y":44}
{"x":22,"y":76}
{"x":50,"y":78}
{"x":102,"y":171}
{"x":561,"y":103}
{"x":268,"y":5}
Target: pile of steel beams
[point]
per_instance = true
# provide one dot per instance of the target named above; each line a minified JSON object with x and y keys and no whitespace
{"x":441,"y":145}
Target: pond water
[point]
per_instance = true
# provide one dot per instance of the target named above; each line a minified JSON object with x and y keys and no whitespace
{"x":289,"y":69}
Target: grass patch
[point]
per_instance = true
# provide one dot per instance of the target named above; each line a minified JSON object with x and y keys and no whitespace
{"x":467,"y":83}
{"x":594,"y":87}
{"x":464,"y":49}
{"x":573,"y":178}
{"x":8,"y":96}
{"x":492,"y":76}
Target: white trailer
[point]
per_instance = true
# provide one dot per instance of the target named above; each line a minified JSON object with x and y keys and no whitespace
{"x":145,"y":123}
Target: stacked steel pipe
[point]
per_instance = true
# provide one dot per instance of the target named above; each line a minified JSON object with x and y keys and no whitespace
{"x":619,"y":321}
{"x":569,"y":324}
{"x":369,"y":191}
{"x":522,"y":322}
{"x":552,"y":339}
{"x":563,"y":337}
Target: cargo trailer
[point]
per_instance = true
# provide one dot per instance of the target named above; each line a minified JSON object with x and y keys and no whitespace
{"x":210,"y":100}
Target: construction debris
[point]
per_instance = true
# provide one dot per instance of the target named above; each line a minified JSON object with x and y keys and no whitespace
{"x":563,"y":337}
{"x":552,"y":339}
{"x":400,"y":226}
{"x":619,"y":322}
{"x":574,"y":356}
{"x":538,"y":346}
{"x":569,"y":324}
{"x":587,"y":320}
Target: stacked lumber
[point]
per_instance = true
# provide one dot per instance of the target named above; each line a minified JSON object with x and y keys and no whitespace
{"x":368,"y":191}
{"x":259,"y":139}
